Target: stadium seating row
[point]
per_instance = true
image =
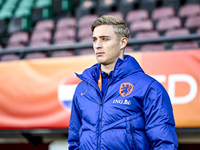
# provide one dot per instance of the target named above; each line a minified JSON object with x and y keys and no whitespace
{"x":164,"y":19}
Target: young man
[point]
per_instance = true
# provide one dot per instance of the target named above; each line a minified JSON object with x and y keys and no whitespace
{"x":117,"y":106}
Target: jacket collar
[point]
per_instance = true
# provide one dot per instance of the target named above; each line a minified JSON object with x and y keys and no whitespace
{"x":123,"y":67}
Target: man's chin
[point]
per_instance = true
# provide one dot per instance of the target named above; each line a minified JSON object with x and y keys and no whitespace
{"x":100,"y":60}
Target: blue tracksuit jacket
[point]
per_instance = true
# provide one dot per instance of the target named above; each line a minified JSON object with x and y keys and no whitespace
{"x":134,"y":113}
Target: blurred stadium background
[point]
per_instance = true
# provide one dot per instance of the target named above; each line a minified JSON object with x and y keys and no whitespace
{"x":45,"y":29}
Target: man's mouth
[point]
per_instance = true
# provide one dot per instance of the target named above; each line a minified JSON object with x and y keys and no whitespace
{"x":99,"y":53}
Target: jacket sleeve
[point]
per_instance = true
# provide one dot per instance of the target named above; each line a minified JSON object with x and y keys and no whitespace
{"x":74,"y":125}
{"x":158,"y":115}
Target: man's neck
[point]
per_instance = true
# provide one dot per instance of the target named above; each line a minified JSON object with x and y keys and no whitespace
{"x":107,"y":68}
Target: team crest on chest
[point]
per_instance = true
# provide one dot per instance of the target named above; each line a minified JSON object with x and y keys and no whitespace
{"x":125,"y":89}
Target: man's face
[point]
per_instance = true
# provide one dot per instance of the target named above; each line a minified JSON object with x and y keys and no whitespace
{"x":107,"y":45}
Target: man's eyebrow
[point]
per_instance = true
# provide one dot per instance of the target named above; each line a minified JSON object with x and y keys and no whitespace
{"x":102,"y":36}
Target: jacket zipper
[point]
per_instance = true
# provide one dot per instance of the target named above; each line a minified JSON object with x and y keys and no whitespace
{"x":100,"y":115}
{"x":132,"y":138}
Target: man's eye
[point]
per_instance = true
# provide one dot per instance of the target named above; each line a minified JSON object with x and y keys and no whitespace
{"x":105,"y":39}
{"x":94,"y":40}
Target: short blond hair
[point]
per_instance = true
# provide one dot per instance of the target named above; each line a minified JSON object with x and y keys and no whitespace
{"x":118,"y":24}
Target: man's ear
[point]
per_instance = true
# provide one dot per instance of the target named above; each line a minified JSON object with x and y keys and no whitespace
{"x":123,"y":43}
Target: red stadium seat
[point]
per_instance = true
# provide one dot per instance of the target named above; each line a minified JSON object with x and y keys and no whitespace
{"x":192,"y":22}
{"x":64,"y":41}
{"x":66,"y":23}
{"x":168,"y":24}
{"x":185,"y":45}
{"x":35,"y":55}
{"x":189,"y":10}
{"x":62,"y":53}
{"x":44,"y":25}
{"x":39,"y":43}
{"x":15,"y":45}
{"x":136,"y":15}
{"x":87,"y":20}
{"x":9,"y":57}
{"x":84,"y":32}
{"x":163,"y":12}
{"x":41,"y":36}
{"x":65,"y":34}
{"x":141,"y":25}
{"x":86,"y":51}
{"x":147,"y":34}
{"x":152,"y":47}
{"x":19,"y":37}
{"x":87,"y":39}
{"x":145,"y":25}
{"x":177,"y":32}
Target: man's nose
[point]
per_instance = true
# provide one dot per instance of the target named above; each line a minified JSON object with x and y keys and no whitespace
{"x":98,"y":44}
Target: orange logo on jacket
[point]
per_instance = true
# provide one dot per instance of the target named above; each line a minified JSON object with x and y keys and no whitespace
{"x":125,"y":89}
